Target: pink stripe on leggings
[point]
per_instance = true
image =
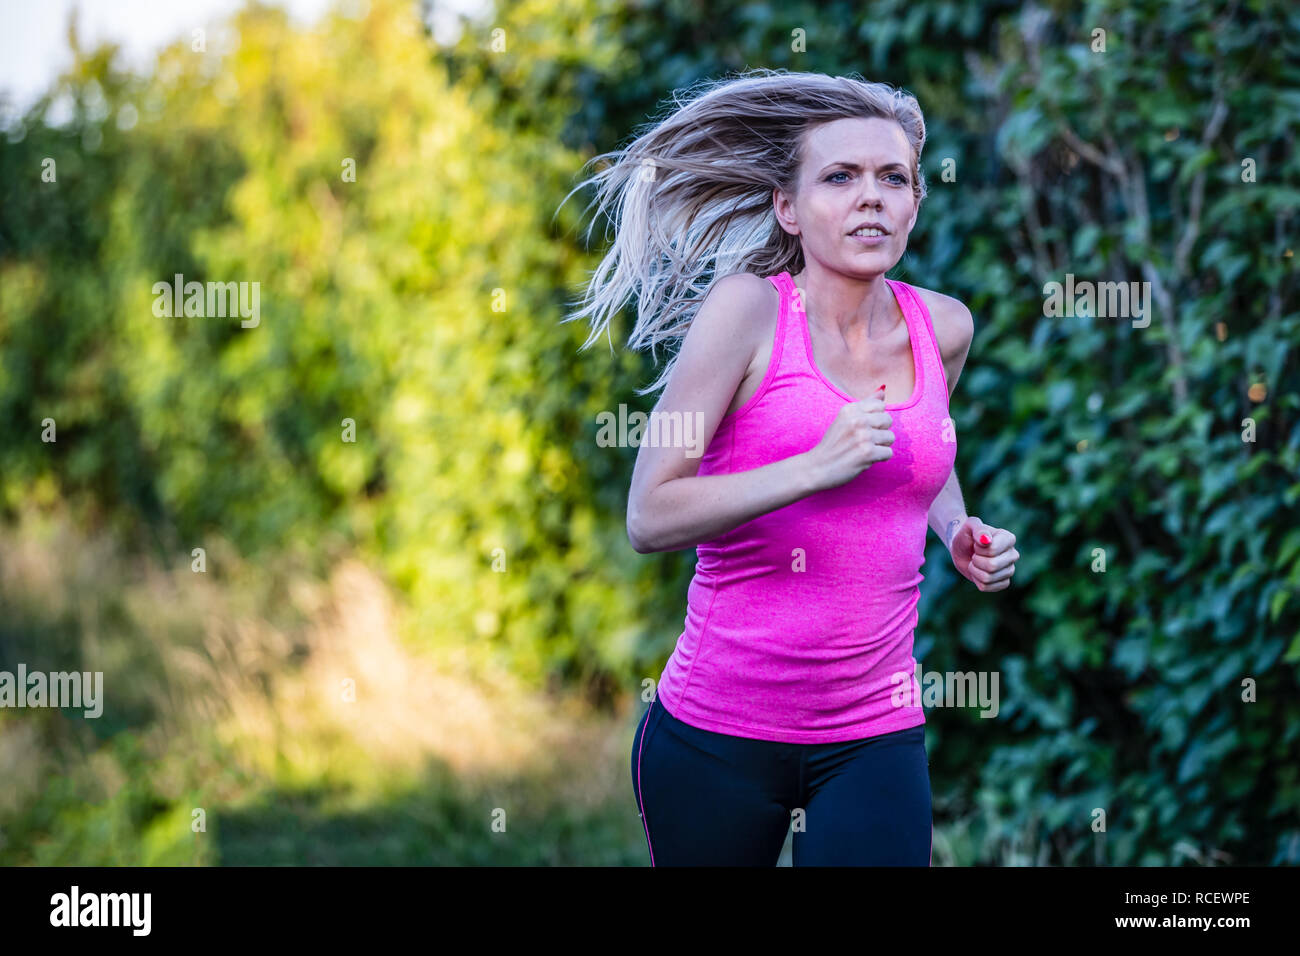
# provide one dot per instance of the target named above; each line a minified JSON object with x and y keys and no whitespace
{"x":639,"y":797}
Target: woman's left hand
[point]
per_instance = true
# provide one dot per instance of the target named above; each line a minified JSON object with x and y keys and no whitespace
{"x":990,"y":565}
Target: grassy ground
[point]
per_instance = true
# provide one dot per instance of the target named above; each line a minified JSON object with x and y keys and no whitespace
{"x":258,"y":716}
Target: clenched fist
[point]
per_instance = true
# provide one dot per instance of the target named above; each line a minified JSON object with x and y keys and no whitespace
{"x":857,"y":438}
{"x":983,"y":554}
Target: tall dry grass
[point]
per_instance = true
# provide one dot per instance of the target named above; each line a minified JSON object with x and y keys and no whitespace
{"x":255,"y":681}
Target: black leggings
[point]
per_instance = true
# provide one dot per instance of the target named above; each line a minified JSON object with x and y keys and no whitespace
{"x":709,"y":799}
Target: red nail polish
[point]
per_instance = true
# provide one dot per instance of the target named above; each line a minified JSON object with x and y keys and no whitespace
{"x":985,"y":539}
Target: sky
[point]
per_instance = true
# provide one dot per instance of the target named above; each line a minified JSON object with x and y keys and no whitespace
{"x":34,"y":46}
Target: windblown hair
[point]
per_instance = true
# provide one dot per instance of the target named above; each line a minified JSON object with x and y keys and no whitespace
{"x":691,"y":197}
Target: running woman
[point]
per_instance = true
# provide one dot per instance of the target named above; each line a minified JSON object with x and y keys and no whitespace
{"x":757,"y":222}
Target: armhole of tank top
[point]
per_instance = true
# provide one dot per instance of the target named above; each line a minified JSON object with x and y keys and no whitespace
{"x":774,"y":359}
{"x":924,"y":311}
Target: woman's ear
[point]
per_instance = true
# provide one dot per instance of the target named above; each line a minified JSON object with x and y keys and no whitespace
{"x":784,"y":210}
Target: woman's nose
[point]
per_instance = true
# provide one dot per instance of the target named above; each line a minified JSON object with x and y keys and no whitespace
{"x":870,"y":196}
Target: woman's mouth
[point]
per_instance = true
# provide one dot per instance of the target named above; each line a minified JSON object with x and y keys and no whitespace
{"x":869,"y":236}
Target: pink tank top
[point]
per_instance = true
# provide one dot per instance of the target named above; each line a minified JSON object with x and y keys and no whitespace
{"x":799,"y":623}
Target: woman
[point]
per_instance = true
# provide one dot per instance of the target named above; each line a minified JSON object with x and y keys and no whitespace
{"x":774,"y":203}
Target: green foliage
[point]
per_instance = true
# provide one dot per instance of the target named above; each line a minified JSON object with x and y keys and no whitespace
{"x":1127,"y":165}
{"x":422,"y":302}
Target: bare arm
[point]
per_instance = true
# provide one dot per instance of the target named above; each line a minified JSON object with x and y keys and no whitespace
{"x":695,"y":509}
{"x":670,"y":506}
{"x":948,"y":510}
{"x":954,"y":327}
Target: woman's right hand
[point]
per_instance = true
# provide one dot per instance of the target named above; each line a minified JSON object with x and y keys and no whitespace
{"x":857,"y":438}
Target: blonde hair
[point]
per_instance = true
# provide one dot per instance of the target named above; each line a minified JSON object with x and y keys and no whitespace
{"x":691,"y":197}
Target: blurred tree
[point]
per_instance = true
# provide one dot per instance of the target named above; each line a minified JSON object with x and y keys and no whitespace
{"x":397,"y":206}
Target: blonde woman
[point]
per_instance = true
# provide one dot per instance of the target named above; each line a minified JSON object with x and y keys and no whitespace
{"x":756,"y":224}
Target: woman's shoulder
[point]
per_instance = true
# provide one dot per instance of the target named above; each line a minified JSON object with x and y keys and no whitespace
{"x":739,"y":309}
{"x":746,"y":286}
{"x":943,"y":307}
{"x":954,"y":326}
{"x":743,"y":300}
{"x":742,"y":310}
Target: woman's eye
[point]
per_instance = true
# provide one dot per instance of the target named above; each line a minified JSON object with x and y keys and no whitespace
{"x":897,"y":178}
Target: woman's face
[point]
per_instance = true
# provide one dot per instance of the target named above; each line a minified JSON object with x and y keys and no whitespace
{"x":854,"y":171}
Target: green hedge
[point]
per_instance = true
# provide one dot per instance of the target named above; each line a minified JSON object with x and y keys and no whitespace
{"x":422,"y":302}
